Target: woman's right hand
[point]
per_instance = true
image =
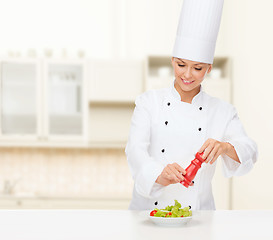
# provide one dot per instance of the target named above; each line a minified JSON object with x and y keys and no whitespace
{"x":171,"y":174}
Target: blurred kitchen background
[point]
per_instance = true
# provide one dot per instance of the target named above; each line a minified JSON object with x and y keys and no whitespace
{"x":70,"y":72}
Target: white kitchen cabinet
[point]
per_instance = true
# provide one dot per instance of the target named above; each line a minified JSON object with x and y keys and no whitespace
{"x":65,"y":101}
{"x":20,"y":99}
{"x":43,"y":102}
{"x":113,"y":88}
{"x":19,"y":111}
{"x":110,"y":124}
{"x":115,"y":80}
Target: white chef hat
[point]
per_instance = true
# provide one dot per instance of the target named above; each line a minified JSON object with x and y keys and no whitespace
{"x":198,"y":29}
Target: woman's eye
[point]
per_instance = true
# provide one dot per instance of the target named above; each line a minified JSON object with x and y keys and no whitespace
{"x":198,"y":69}
{"x":180,"y":65}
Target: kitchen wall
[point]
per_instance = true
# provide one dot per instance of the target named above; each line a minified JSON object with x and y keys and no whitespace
{"x":101,"y":29}
{"x":127,"y":29}
{"x":250,"y":38}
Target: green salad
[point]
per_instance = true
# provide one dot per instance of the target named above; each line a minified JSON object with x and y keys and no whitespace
{"x":172,"y":211}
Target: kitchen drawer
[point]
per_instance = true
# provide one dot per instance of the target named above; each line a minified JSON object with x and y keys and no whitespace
{"x":10,"y":203}
{"x":63,"y":203}
{"x":110,"y":124}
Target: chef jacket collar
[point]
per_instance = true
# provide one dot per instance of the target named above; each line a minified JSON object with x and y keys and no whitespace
{"x":195,"y":99}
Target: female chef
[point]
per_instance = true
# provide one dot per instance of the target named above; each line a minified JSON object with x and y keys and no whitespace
{"x":170,"y":125}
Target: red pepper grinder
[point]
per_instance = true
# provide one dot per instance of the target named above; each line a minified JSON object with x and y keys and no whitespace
{"x":192,"y":169}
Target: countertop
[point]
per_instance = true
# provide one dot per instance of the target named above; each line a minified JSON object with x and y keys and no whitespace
{"x":125,"y":224}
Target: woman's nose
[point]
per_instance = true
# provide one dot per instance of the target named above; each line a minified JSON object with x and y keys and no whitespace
{"x":187,"y":73}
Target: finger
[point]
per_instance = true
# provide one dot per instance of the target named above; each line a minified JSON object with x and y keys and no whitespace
{"x":179,"y":168}
{"x":205,"y":145}
{"x":165,"y":173}
{"x":164,"y":176}
{"x":174,"y":179}
{"x":212,"y":154}
{"x":215,"y":157}
{"x":207,"y":152}
{"x":176,"y":172}
{"x":217,"y":149}
{"x":171,"y":176}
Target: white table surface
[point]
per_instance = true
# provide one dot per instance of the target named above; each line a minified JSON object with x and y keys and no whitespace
{"x":124,"y":224}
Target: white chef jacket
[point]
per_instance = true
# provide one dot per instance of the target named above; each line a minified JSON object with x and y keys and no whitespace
{"x":166,"y":130}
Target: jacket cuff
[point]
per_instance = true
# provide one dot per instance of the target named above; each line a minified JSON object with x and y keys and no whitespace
{"x":233,"y":168}
{"x":145,"y":181}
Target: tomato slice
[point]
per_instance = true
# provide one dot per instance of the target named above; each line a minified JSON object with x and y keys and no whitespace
{"x":168,"y":214}
{"x":152,"y":213}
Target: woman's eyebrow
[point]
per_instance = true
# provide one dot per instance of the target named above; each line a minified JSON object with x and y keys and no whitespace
{"x":193,"y":64}
{"x":180,"y":60}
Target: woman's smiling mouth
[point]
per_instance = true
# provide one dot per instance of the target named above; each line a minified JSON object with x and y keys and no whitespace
{"x":186,"y":82}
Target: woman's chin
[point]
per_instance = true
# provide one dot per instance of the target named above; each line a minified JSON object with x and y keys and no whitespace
{"x":187,"y":88}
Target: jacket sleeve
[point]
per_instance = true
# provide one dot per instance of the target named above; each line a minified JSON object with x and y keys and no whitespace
{"x":245,"y":148}
{"x":143,"y":167}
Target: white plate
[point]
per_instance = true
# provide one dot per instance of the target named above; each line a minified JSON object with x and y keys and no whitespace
{"x":170,"y":222}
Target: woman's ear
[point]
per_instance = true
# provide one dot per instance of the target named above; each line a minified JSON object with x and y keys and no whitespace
{"x":173,"y":61}
{"x":209,"y":69}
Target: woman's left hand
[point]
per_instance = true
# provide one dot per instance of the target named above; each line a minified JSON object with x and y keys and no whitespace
{"x":213,"y":149}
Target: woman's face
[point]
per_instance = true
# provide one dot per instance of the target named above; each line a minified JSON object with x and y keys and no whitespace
{"x":188,"y":74}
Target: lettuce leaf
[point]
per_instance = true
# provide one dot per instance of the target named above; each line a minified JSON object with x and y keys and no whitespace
{"x":176,"y":211}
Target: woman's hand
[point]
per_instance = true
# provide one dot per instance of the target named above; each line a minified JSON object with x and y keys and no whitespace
{"x":171,"y":174}
{"x":213,"y":149}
